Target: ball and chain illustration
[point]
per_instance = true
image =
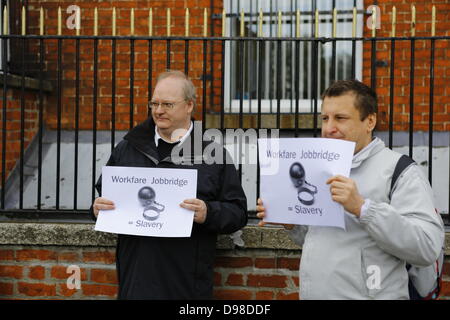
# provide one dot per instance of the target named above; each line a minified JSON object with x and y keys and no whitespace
{"x":305,"y":191}
{"x":152,"y":209}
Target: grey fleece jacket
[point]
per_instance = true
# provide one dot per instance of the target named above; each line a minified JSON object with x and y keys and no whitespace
{"x":367,"y":260}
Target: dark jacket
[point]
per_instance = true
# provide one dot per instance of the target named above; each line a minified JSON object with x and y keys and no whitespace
{"x":176,"y":268}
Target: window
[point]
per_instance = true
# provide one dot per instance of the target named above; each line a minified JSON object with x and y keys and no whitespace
{"x":280,"y":61}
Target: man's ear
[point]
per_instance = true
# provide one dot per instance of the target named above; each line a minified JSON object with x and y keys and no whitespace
{"x":371,"y":122}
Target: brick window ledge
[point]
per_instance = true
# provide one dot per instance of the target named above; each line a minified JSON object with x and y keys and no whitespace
{"x":15,"y":81}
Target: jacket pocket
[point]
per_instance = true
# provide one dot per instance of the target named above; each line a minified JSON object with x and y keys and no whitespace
{"x":371,"y":270}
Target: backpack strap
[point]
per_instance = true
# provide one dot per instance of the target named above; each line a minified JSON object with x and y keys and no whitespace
{"x":402,"y":163}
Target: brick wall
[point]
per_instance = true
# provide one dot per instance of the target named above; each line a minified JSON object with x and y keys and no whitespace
{"x":40,"y":272}
{"x":257,"y":275}
{"x":14,"y":124}
{"x":143,"y":79}
{"x":34,"y":272}
{"x":422,"y":54}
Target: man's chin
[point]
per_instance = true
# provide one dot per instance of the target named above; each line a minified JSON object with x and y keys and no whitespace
{"x":162,"y":123}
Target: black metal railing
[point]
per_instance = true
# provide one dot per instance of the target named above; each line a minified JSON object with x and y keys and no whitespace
{"x":14,"y":183}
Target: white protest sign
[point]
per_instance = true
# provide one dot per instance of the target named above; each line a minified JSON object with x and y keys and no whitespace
{"x":293,"y":175}
{"x":147,"y":201}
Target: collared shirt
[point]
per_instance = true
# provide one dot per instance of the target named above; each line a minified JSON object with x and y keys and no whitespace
{"x":158,"y":136}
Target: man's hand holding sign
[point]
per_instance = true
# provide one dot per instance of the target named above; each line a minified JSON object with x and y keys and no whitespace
{"x":311,"y":171}
{"x":344,"y":191}
{"x":149,"y":202}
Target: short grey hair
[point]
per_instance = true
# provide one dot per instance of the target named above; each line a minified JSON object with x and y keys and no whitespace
{"x":188,"y":89}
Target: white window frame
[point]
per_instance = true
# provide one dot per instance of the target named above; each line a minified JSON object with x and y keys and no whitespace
{"x":270,"y":105}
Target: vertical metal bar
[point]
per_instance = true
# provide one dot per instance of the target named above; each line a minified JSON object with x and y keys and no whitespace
{"x":59,"y":106}
{"x":186,"y":57}
{"x":314,"y":73}
{"x":113,"y":81}
{"x":150,"y":72}
{"x":270,"y":62}
{"x":333,"y":48}
{"x":41,"y":116}
{"x":58,"y":129}
{"x":241,"y":100}
{"x":77,"y":120}
{"x":168,"y":44}
{"x":297,"y":70}
{"x":5,"y":106}
{"x":94,"y":106}
{"x":22,"y":113}
{"x":232,"y":66}
{"x":22,"y":109}
{"x":354,"y":41}
{"x":391,"y":95}
{"x":150,"y":22}
{"x":211,"y":59}
{"x":205,"y":52}
{"x":241,"y":81}
{"x":131,"y":83}
{"x":186,"y":43}
{"x":290,"y":47}
{"x":297,"y":85}
{"x":279,"y":61}
{"x":260,"y":70}
{"x":94,"y":118}
{"x":259,"y":88}
{"x":222,"y":82}
{"x":113,"y":92}
{"x":279,"y":79}
{"x":260,"y":77}
{"x":150,"y":58}
{"x":248,"y":67}
{"x":430,"y":124}
{"x":373,"y":56}
{"x":391,"y":84}
{"x":242,"y":75}
{"x":240,"y":61}
{"x":168,"y":48}
{"x":411,"y":85}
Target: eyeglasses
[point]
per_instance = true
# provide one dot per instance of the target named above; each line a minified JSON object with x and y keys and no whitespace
{"x":165,"y":105}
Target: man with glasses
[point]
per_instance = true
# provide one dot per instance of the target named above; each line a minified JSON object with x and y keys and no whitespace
{"x":175,"y":268}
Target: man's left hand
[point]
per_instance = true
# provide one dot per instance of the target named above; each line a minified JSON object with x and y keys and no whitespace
{"x":344,"y":191}
{"x":199,"y":208}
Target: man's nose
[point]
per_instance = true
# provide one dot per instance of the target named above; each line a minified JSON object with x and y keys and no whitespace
{"x":329,"y":127}
{"x":159,"y":109}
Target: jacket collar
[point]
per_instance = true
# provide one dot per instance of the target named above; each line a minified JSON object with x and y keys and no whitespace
{"x":142,"y":137}
{"x":182,"y":139}
{"x":368,"y":151}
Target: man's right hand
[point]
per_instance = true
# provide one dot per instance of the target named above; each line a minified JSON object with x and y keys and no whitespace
{"x":261,"y":213}
{"x":102,"y":204}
